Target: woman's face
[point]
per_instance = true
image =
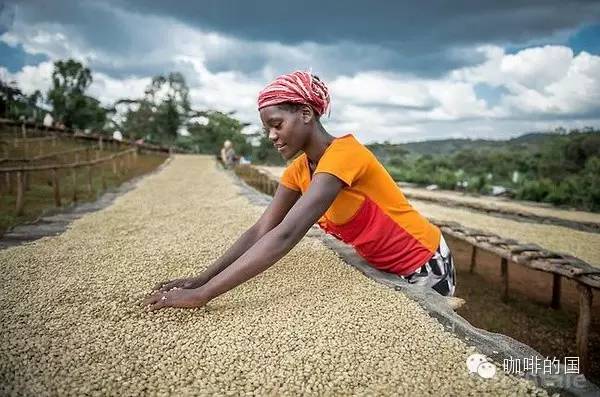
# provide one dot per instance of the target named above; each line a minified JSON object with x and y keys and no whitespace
{"x":286,"y":129}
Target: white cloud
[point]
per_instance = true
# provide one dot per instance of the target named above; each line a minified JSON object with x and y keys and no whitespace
{"x":108,"y":90}
{"x":30,"y":78}
{"x":541,"y":86}
{"x":542,"y":81}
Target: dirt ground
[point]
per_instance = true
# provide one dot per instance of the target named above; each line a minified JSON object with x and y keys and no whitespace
{"x":527,"y":315}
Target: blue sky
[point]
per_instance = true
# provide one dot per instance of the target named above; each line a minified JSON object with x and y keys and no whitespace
{"x":397,"y":71}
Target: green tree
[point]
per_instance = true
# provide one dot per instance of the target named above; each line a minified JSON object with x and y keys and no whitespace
{"x":208,"y":138}
{"x":161,"y":113}
{"x":14,"y":104}
{"x":70,"y":105}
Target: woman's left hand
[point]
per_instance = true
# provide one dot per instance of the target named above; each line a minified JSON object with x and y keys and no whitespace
{"x":182,"y":298}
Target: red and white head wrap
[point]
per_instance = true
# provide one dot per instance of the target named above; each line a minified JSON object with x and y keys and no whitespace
{"x":297,"y":87}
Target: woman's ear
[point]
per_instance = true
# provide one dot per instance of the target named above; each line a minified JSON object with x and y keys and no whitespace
{"x":307,"y":114}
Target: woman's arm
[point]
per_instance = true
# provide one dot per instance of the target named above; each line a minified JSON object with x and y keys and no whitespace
{"x":265,"y":252}
{"x":283,"y":200}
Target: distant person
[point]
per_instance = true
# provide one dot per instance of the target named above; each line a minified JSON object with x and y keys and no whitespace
{"x":335,"y":182}
{"x":228,"y":155}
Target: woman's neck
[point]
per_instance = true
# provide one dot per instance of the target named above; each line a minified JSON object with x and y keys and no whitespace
{"x":317,"y":145}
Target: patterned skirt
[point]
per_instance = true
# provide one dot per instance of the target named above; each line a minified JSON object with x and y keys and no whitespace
{"x":438,"y":273}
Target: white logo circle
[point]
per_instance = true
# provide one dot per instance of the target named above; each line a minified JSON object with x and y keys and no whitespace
{"x":486,"y":370}
{"x":478,"y":363}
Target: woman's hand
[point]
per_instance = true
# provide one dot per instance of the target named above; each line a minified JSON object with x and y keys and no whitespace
{"x":183,"y":283}
{"x":176,"y":297}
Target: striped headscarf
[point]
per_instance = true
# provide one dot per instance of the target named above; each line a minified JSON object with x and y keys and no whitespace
{"x":297,"y":87}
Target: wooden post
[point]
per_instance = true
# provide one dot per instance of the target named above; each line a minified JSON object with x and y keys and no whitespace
{"x":20,"y":193}
{"x":555,"y":304}
{"x":100,"y":143}
{"x":56,"y":187}
{"x":40,"y":148}
{"x":54,"y":141}
{"x":90,"y":187}
{"x":23,"y":130}
{"x":74,"y":176}
{"x":583,"y":327}
{"x":114,"y":166}
{"x":473,"y":259}
{"x":7,"y":176}
{"x":504,"y":275}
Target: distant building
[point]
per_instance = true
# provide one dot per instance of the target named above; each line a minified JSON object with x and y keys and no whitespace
{"x":499,"y":190}
{"x":48,"y":120}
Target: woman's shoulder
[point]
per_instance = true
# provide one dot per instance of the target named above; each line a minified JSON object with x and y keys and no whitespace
{"x":349,"y":146}
{"x":299,"y":160}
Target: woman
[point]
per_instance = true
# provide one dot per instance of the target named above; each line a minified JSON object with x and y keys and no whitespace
{"x":336,"y":182}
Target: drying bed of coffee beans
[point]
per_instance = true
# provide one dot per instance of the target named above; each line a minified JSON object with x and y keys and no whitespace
{"x":73,"y":324}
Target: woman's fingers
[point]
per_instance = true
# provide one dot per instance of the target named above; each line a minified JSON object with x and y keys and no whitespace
{"x":177,"y":283}
{"x":160,"y":285}
{"x":182,"y":298}
{"x":153,"y":298}
{"x":158,"y":304}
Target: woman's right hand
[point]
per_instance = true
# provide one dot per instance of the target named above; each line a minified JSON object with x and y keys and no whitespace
{"x":184,"y":283}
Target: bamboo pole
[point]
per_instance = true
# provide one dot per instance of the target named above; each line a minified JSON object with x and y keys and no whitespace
{"x":61,"y":166}
{"x":20,"y":193}
{"x":583,"y":327}
{"x":56,"y":187}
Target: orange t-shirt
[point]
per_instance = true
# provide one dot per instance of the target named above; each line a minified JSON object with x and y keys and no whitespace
{"x":370,"y":213}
